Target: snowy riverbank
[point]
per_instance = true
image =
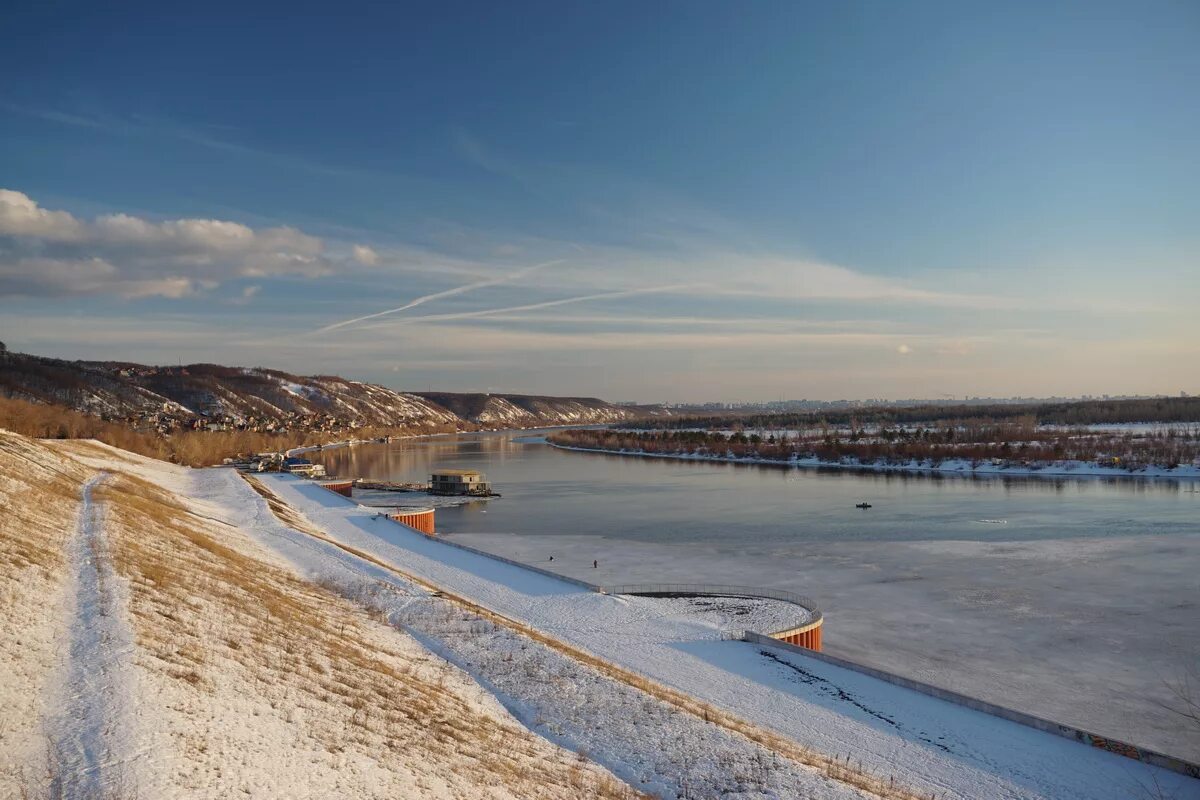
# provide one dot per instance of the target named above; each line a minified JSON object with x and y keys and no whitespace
{"x":184,"y":657}
{"x":926,"y":743}
{"x":952,"y":466}
{"x":629,"y":680}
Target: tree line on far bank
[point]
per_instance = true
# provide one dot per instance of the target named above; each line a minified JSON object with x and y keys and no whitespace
{"x":1071,"y":413}
{"x":1012,"y":443}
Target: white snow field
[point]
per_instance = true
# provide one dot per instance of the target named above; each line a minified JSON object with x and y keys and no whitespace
{"x":653,"y":744}
{"x":925,"y":743}
{"x":152,"y":651}
{"x":264,"y":719}
{"x":646,"y":740}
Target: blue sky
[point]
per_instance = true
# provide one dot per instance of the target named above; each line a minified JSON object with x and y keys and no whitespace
{"x":660,"y":201}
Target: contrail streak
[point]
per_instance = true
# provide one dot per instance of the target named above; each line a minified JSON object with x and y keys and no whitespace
{"x":489,"y":312}
{"x":512,"y":276}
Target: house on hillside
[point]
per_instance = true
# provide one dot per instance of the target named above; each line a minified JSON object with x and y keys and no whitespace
{"x":458,"y":482}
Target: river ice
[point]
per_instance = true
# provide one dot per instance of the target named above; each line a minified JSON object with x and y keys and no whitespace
{"x":926,"y":743}
{"x":1025,"y":624}
{"x":1071,"y":598}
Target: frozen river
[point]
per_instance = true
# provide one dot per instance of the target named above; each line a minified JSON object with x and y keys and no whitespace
{"x":1076,"y":599}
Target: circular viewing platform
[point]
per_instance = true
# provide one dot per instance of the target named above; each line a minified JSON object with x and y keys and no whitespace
{"x":809,"y":619}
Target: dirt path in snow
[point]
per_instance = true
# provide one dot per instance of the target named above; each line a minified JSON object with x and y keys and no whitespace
{"x":89,"y":724}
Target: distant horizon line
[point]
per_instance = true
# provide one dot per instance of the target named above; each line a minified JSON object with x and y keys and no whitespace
{"x":800,"y":404}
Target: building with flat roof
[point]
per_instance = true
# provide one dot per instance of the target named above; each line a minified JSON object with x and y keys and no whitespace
{"x":459,"y":481}
{"x":304,"y":467}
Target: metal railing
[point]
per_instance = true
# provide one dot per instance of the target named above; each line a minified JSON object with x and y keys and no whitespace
{"x":718,"y":590}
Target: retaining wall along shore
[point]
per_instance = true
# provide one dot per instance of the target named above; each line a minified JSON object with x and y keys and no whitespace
{"x":1133,"y":751}
{"x":795,"y":641}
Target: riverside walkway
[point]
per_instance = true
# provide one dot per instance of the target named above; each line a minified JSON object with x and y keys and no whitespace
{"x":926,"y":743}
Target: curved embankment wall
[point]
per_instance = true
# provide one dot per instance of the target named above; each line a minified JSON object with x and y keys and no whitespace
{"x":1096,"y":740}
{"x":807,"y":635}
{"x":419,"y":518}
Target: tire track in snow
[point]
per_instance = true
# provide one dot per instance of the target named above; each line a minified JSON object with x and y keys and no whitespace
{"x":833,"y":690}
{"x":89,"y":725}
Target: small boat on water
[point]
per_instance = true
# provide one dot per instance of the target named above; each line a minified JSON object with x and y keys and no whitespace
{"x":862,"y":505}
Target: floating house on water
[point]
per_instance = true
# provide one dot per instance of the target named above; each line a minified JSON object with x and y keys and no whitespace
{"x":458,"y":482}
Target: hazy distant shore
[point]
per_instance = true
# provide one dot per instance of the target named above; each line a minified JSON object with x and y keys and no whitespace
{"x":1059,"y":469}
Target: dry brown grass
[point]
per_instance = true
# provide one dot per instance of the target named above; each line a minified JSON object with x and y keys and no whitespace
{"x":204,"y":607}
{"x":36,"y":485}
{"x":842,"y":769}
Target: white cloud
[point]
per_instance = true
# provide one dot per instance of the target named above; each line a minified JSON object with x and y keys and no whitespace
{"x":21,"y":216}
{"x":365,"y":255}
{"x":50,"y":253}
{"x":51,"y":276}
{"x":903,"y":349}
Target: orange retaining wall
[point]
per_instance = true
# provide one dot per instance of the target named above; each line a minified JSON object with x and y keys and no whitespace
{"x":421,"y":519}
{"x":808,"y":636}
{"x":344,"y":488}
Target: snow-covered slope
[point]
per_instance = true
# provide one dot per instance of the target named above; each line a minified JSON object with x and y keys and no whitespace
{"x":151,"y":649}
{"x":39,"y":505}
{"x":297,"y":645}
{"x":266,"y":399}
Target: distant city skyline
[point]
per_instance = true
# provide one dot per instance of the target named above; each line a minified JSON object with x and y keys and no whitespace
{"x":679,"y":202}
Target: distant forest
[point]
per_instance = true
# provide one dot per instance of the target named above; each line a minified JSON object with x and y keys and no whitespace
{"x":1083,"y":412}
{"x":1013,"y":443}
